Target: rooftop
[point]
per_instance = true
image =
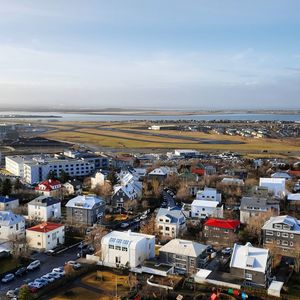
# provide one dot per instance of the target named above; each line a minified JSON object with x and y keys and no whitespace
{"x":44,"y":201}
{"x":6,"y":199}
{"x":45,"y":227}
{"x":222,"y":223}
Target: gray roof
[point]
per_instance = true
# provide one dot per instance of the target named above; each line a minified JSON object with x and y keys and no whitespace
{"x":258,"y":203}
{"x":8,"y":218}
{"x":173,"y":213}
{"x":184,"y":247}
{"x":44,"y":201}
{"x":287,"y":220}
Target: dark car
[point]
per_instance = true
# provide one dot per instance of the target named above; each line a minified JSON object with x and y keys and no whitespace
{"x":21,"y":271}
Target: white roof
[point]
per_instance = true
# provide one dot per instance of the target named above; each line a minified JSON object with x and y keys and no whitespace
{"x":184,"y":247}
{"x":205,"y":203}
{"x":276,"y":285}
{"x":128,"y":238}
{"x":8,"y":218}
{"x":294,"y":197}
{"x":85,"y":202}
{"x":249,"y":258}
{"x":288,"y":220}
{"x":272,"y":181}
{"x":232,"y":180}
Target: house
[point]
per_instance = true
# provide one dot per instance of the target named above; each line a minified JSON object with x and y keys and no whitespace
{"x":170,"y":222}
{"x":85,"y":210}
{"x":283,"y":232}
{"x":49,"y":188}
{"x":185,"y":256}
{"x":251,"y":264}
{"x":45,"y":236}
{"x":97,"y":180}
{"x":205,"y":208}
{"x":254,"y":206}
{"x":276,"y":185}
{"x":73,"y":187}
{"x":11,"y":225}
{"x":209,"y":194}
{"x":284,"y":175}
{"x":44,"y":208}
{"x":221,"y":232}
{"x":161,"y":173}
{"x":8,"y":203}
{"x":232,"y":181}
{"x":129,"y":189}
{"x":126,"y":248}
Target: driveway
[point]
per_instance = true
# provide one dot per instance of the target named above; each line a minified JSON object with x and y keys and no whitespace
{"x":47,"y":264}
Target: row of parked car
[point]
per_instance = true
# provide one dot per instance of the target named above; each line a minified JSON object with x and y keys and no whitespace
{"x":20,"y":272}
{"x":40,"y":282}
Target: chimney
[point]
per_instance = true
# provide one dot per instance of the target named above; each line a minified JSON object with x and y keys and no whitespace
{"x":129,"y":232}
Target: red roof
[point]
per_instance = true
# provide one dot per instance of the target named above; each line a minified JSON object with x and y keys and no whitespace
{"x":48,"y":185}
{"x":198,"y":171}
{"x":226,"y":224}
{"x":294,"y":173}
{"x":45,"y":227}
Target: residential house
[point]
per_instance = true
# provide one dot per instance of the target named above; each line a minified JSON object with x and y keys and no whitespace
{"x":275,"y":185}
{"x":97,"y":180}
{"x":11,"y":225}
{"x":8,"y":203}
{"x":221,"y":232}
{"x":282,"y":232}
{"x":161,"y":173}
{"x":170,"y":222}
{"x":73,"y":187}
{"x":185,"y":256}
{"x":44,"y":208}
{"x":251,"y":264}
{"x":126,"y":248}
{"x":255,"y":206}
{"x":128,"y":190}
{"x":85,"y":210}
{"x":45,"y":236}
{"x":49,"y":188}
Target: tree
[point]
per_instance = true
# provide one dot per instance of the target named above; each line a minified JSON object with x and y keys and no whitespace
{"x":6,"y":187}
{"x":51,"y":175}
{"x":113,"y":178}
{"x":104,"y":190}
{"x":18,"y":185}
{"x":149,"y":227}
{"x":183,"y":192}
{"x":24,"y":293}
{"x":18,"y":245}
{"x":95,"y":236}
{"x":64,"y":176}
{"x":156,"y":187}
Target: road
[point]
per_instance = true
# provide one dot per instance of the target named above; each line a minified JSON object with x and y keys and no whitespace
{"x":47,"y":264}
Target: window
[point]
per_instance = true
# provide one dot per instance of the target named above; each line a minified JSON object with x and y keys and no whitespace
{"x":124,"y":249}
{"x":278,"y":226}
{"x":278,"y":233}
{"x":118,"y":259}
{"x":278,"y":242}
{"x":118,"y":248}
{"x":248,"y":276}
{"x":284,"y":234}
{"x":291,"y":244}
{"x":167,"y":228}
{"x":285,"y":243}
{"x":269,"y":232}
{"x":292,"y":235}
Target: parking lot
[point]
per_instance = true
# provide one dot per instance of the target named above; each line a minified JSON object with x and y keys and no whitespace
{"x":47,"y":264}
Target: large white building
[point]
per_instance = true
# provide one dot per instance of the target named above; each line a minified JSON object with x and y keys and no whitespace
{"x":11,"y":225}
{"x":45,"y":236}
{"x":275,"y":185}
{"x":44,"y":208}
{"x":35,"y":168}
{"x":126,"y":248}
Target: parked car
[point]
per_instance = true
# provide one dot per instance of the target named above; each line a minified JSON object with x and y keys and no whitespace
{"x":48,"y":278}
{"x":54,"y":275}
{"x":11,"y":294}
{"x":74,"y":264}
{"x":21,"y":271}
{"x":125,"y":225}
{"x":59,"y":270}
{"x":43,"y":281}
{"x":34,"y":265}
{"x":226,"y":251}
{"x":50,"y":252}
{"x":7,"y":278}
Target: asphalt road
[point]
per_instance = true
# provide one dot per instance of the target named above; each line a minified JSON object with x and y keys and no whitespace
{"x":47,"y":264}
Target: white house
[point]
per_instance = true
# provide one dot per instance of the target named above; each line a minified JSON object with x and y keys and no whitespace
{"x":276,"y":185}
{"x":126,"y":248}
{"x":209,"y":194}
{"x":206,"y":208}
{"x":11,"y":225}
{"x":45,"y":236}
{"x":170,"y":222}
{"x":8,"y":203}
{"x":97,"y":180}
{"x":73,"y":187}
{"x":49,"y":188}
{"x":44,"y":208}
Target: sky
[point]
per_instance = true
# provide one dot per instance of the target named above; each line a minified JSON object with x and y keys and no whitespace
{"x":200,"y":54}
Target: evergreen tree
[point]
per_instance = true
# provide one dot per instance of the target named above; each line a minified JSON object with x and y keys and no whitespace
{"x":112,"y":177}
{"x":64,"y":176}
{"x":24,"y":293}
{"x":6,"y":187}
{"x":17,"y":185}
{"x":51,"y":175}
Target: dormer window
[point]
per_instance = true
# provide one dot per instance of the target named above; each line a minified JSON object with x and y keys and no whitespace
{"x":277,"y":226}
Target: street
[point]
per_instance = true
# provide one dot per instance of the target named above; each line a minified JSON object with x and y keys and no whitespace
{"x":47,"y":264}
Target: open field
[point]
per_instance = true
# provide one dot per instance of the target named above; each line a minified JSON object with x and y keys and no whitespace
{"x":129,"y":135}
{"x":78,"y":293}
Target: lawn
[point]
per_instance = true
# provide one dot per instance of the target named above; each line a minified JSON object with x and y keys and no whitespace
{"x":107,"y":281}
{"x":79,"y":293}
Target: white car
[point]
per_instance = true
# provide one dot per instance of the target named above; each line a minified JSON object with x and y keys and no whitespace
{"x":59,"y":270}
{"x":54,"y":275}
{"x":34,"y":265}
{"x":74,"y":264}
{"x":49,"y":278}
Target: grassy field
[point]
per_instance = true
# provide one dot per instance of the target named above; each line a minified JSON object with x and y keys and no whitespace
{"x":79,"y":293}
{"x":93,"y":133}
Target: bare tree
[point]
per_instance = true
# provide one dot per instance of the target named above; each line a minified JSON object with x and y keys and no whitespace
{"x":18,"y":245}
{"x":95,"y":236}
{"x":150,"y":226}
